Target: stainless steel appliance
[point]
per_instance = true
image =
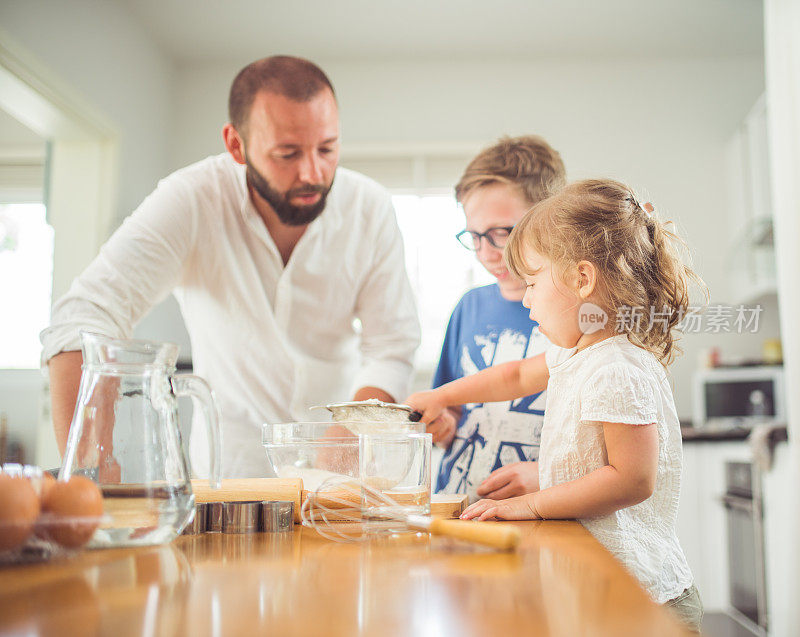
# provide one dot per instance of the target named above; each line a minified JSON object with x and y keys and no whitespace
{"x":744,"y":505}
{"x":729,"y":397}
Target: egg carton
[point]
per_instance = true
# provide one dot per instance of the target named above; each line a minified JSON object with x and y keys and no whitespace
{"x":28,"y":531}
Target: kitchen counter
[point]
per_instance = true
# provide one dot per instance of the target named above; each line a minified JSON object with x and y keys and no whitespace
{"x":561,"y":582}
{"x":692,"y":434}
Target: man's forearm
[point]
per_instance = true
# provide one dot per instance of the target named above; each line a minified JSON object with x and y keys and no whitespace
{"x":65,"y":379}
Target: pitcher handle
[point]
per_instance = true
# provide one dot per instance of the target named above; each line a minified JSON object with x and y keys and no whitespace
{"x":196,"y":387}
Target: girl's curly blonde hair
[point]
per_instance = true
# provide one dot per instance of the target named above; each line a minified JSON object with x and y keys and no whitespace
{"x":637,"y":258}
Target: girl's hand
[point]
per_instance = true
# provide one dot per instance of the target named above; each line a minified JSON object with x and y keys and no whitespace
{"x":517,"y":478}
{"x":520,"y":508}
{"x":428,"y":403}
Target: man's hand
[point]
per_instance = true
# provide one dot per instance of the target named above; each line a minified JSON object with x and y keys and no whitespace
{"x":517,"y":478}
{"x":444,"y":427}
{"x":521,"y":508}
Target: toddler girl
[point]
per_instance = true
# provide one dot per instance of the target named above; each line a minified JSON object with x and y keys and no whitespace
{"x":607,"y":287}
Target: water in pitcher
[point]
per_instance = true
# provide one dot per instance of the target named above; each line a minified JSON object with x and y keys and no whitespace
{"x":139,"y":515}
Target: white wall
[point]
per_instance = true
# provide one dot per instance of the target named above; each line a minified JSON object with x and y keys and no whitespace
{"x":20,"y":401}
{"x":661,"y":125}
{"x":100,"y":52}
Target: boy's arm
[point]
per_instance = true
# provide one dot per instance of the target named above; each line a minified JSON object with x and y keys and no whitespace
{"x":498,"y":383}
{"x":628,"y":479}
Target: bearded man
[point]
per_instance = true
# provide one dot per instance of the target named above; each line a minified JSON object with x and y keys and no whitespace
{"x":289,"y":271}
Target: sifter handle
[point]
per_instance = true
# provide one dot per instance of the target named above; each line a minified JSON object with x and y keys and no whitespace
{"x":499,"y":536}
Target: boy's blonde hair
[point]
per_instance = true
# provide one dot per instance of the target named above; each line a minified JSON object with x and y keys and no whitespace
{"x":527,"y":163}
{"x":637,"y":258}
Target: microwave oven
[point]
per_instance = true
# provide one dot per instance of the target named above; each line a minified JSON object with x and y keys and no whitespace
{"x":729,"y":397}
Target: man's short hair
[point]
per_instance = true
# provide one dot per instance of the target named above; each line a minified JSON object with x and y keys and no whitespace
{"x":529,"y":163}
{"x":294,"y":78}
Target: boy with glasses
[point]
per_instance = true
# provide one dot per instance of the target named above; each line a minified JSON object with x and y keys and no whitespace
{"x":491,"y":449}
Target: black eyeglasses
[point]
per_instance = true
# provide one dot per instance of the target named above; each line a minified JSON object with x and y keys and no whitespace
{"x":497,"y":238}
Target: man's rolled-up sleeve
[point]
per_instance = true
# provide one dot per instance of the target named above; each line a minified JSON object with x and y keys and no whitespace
{"x":136,"y":269}
{"x":388,"y":313}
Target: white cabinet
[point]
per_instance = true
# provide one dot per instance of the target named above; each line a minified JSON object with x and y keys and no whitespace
{"x":702,"y":526}
{"x":780,"y":543}
{"x":749,"y":204}
{"x":703,"y":531}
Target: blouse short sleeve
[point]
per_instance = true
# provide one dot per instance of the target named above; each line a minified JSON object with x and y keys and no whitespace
{"x":619,"y":392}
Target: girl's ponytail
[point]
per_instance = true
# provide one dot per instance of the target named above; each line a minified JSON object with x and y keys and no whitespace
{"x":667,"y":288}
{"x":643,"y":284}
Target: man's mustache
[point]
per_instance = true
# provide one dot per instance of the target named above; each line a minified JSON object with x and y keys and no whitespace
{"x":306,"y":190}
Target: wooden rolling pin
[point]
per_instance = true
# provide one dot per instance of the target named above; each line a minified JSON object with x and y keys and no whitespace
{"x":442,"y":505}
{"x":500,"y":536}
{"x":241,"y":489}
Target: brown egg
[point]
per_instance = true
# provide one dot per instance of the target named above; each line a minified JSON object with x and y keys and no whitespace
{"x":72,"y":511}
{"x":46,"y":482}
{"x":19,"y":508}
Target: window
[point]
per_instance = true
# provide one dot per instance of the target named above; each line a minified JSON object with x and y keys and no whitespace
{"x":439,"y":268}
{"x":26,"y":281}
{"x":421,"y":178}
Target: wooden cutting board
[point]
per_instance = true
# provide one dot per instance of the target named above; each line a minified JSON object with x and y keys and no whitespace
{"x":445,"y":505}
{"x":241,"y":489}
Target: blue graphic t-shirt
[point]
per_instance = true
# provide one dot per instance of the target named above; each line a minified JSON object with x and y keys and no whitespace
{"x":484,"y":330}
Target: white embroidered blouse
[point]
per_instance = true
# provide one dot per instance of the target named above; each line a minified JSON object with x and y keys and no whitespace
{"x":616,"y":381}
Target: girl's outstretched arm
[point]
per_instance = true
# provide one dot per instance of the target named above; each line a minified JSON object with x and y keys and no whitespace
{"x":497,"y":383}
{"x":629,"y":478}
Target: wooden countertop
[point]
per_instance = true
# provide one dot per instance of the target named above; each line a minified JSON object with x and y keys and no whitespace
{"x":562,"y":582}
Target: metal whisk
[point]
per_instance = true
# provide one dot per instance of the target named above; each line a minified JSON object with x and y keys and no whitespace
{"x":351,"y":511}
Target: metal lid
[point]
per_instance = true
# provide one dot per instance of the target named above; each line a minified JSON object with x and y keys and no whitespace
{"x":277,"y":515}
{"x":214,"y":517}
{"x":198,"y":523}
{"x":241,"y":517}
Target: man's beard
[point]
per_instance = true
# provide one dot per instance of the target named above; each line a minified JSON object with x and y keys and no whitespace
{"x":287,"y":212}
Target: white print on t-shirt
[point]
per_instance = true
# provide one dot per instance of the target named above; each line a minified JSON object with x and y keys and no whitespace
{"x":495,"y":434}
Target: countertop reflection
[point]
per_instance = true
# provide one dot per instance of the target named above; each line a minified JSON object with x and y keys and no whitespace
{"x":560,"y":582}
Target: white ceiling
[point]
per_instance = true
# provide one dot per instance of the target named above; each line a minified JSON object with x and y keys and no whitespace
{"x":16,"y":135}
{"x":216,"y":30}
{"x":207,"y":31}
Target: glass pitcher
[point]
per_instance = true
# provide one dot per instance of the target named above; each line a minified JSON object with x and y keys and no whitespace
{"x":125,"y":437}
